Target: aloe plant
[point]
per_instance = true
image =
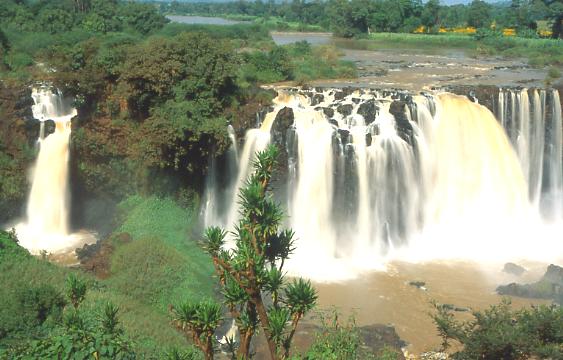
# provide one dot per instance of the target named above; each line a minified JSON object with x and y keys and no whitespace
{"x":251,"y":274}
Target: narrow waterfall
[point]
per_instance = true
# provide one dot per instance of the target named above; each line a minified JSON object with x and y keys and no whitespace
{"x":47,"y":224}
{"x":532,"y":120}
{"x":375,"y":175}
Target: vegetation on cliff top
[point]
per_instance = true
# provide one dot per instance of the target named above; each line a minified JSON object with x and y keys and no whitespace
{"x":356,"y":17}
{"x":154,"y":99}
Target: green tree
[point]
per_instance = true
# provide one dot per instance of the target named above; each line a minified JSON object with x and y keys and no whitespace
{"x":55,"y":20}
{"x":430,"y":14}
{"x":479,"y":14}
{"x":339,"y":15}
{"x":251,"y":274}
{"x":143,"y":18}
{"x":4,"y":48}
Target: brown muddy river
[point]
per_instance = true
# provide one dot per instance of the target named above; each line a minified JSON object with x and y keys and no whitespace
{"x":387,"y":297}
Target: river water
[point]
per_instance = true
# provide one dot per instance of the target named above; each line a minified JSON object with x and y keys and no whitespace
{"x":201,"y":20}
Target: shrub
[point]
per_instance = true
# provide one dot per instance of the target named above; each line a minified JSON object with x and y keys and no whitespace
{"x":335,"y":341}
{"x":553,"y":73}
{"x":502,"y":333}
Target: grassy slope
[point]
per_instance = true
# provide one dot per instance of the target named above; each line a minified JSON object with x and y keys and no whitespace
{"x":160,"y":266}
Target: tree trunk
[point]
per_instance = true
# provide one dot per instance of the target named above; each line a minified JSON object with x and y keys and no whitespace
{"x":263,"y":314}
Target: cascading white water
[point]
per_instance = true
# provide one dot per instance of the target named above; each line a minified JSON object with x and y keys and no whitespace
{"x":221,"y":204}
{"x":376,"y":175}
{"x":47,"y":224}
{"x":538,"y":143}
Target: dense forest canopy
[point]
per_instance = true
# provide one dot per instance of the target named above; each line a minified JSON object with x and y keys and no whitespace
{"x":154,"y":98}
{"x":354,"y":17}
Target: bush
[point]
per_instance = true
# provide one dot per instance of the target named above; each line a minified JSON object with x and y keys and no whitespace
{"x":502,"y":333}
{"x":336,"y":341}
{"x":553,"y":73}
{"x":81,"y":335}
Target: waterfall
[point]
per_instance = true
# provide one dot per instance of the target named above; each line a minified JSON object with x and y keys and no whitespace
{"x":47,"y":224}
{"x":377,"y":175}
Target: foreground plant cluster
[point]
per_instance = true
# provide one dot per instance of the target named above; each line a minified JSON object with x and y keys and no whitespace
{"x":251,"y":275}
{"x":500,"y":332}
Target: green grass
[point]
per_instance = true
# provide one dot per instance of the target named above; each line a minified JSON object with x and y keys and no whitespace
{"x":421,"y":40}
{"x":167,"y":266}
{"x":161,"y":266}
{"x":539,"y":52}
{"x":21,"y":277}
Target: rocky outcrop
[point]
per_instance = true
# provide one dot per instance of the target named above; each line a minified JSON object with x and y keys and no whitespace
{"x":317,"y":99}
{"x":284,"y":120}
{"x":96,"y":258}
{"x":345,"y":109}
{"x":49,"y":127}
{"x":368,"y":110}
{"x":377,"y":337}
{"x":283,"y":136}
{"x":340,"y":94}
{"x":403,"y":125}
{"x":550,"y":286}
{"x":514,"y":269}
{"x":328,"y":112}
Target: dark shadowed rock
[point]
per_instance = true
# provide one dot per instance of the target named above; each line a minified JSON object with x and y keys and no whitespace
{"x":356,"y":100}
{"x":368,"y":139}
{"x":280,"y":132}
{"x":550,"y":286}
{"x":328,"y":112}
{"x":344,"y":136}
{"x":342,"y":93}
{"x":514,"y":269}
{"x":376,"y":337}
{"x":284,"y":120}
{"x":404,"y":128}
{"x":417,"y":284}
{"x":339,"y":95}
{"x":333,"y":122}
{"x":345,"y":109}
{"x":317,"y":99}
{"x":368,"y":110}
{"x":376,"y":129}
{"x":49,"y":127}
